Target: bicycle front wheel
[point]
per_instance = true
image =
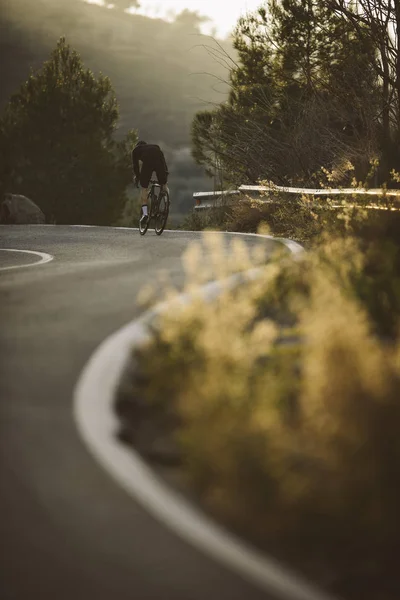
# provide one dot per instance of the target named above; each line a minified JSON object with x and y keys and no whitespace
{"x":162,"y":213}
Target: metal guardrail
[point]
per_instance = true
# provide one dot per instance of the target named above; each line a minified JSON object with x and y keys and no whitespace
{"x":211,"y":199}
{"x":204,"y":200}
{"x":320,"y":191}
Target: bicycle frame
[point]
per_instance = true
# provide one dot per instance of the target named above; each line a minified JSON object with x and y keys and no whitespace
{"x":154,"y":185}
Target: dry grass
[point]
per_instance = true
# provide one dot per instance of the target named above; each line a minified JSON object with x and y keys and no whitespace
{"x":302,"y":218}
{"x":295,"y":445}
{"x":213,"y":219}
{"x":296,"y":218}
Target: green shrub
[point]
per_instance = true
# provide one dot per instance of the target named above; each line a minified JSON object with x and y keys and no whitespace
{"x":57,"y":143}
{"x":130,"y":215}
{"x":214,"y":218}
{"x":292,"y":217}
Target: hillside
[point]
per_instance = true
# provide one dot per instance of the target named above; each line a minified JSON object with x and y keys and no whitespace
{"x":161,"y":72}
{"x":154,"y":66}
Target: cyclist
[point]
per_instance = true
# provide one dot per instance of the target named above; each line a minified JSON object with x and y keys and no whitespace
{"x":153,"y":159}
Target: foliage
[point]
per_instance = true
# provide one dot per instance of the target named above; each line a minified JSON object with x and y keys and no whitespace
{"x":125,"y":4}
{"x":157,"y":96}
{"x":189,"y":21}
{"x":215,"y":219}
{"x":290,"y":436}
{"x":57,"y":143}
{"x":294,"y":217}
{"x":378,"y":24}
{"x":298,"y":217}
{"x":131,"y":211}
{"x":304,"y":94}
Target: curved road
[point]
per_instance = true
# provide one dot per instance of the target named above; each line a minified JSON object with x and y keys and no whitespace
{"x":67,"y":531}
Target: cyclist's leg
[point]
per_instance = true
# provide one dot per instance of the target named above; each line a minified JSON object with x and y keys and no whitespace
{"x":145,"y":176}
{"x":143,"y":200}
{"x":162,"y":177}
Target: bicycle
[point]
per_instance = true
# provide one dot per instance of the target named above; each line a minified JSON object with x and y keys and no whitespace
{"x":158,"y":208}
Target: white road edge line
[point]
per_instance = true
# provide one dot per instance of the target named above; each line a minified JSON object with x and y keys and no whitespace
{"x":294,"y":247}
{"x":44,"y":258}
{"x":97,"y":423}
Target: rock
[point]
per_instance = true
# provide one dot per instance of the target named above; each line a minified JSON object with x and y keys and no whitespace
{"x":20,"y":210}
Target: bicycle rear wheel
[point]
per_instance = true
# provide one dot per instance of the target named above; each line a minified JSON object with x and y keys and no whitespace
{"x":162,"y":213}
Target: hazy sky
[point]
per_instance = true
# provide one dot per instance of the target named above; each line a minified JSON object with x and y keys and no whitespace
{"x":224,"y":13}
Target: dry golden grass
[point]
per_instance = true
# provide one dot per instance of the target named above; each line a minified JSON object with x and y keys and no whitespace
{"x":296,"y":445}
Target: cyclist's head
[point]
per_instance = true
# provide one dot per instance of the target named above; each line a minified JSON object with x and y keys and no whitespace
{"x":141,"y":143}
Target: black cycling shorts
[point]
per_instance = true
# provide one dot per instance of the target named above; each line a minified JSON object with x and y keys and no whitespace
{"x":147,"y":172}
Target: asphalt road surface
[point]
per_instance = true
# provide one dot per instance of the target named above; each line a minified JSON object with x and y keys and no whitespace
{"x":67,"y":531}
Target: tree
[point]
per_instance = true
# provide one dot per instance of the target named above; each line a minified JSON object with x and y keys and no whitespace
{"x":302,"y":83}
{"x":377,"y":23}
{"x":189,"y":21}
{"x":57,"y":146}
{"x":125,"y":4}
{"x":328,"y":74}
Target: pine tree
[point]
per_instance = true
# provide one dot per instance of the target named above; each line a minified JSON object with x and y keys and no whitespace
{"x":377,"y":24}
{"x":303,"y":95}
{"x":57,"y":147}
{"x":125,"y":4}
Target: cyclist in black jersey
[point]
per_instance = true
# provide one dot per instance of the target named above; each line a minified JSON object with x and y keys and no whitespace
{"x":153,"y":160}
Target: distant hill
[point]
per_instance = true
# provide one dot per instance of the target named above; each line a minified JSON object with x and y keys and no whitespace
{"x":154,"y":66}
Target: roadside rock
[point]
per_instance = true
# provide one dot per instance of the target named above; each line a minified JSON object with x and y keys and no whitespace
{"x":20,"y":210}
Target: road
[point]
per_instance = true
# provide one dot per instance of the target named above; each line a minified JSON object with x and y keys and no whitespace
{"x":67,"y":530}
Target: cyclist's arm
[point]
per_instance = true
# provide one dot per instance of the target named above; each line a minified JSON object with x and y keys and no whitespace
{"x":135,"y":163}
{"x":165,"y":163}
